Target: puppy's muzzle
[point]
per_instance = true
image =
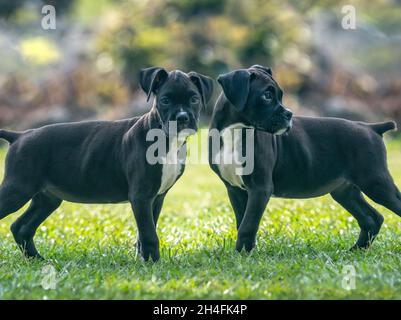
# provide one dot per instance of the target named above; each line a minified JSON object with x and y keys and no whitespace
{"x":287,"y":115}
{"x":182,"y":119}
{"x":286,"y":122}
{"x":185,"y":120}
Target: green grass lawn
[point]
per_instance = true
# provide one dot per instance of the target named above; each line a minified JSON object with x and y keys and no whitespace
{"x":302,"y":248}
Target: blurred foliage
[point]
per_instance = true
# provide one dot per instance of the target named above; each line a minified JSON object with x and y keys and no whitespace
{"x":8,"y":8}
{"x":115,"y":39}
{"x":204,"y":35}
{"x":39,"y":51}
{"x":86,"y":11}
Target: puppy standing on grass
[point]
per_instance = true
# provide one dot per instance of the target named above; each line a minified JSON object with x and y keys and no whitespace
{"x":102,"y":161}
{"x":298,"y":157}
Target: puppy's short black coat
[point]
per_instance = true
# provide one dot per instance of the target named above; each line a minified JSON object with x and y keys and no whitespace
{"x":101,"y":161}
{"x":300,"y":157}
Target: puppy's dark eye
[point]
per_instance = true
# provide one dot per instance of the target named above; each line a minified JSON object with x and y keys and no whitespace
{"x":194,"y":100}
{"x":267,"y":96}
{"x":164,"y":100}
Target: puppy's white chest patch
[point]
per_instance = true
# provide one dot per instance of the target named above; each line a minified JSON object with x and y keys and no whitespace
{"x":172,"y":164}
{"x":227,"y":159}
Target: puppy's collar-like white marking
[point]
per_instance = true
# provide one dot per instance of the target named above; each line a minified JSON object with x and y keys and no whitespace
{"x":229,"y":150}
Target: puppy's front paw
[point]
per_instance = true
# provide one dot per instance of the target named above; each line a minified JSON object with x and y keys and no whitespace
{"x":245,"y":243}
{"x":149,"y":251}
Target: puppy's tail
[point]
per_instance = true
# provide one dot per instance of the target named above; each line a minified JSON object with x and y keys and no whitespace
{"x":9,"y":136}
{"x":382,"y":127}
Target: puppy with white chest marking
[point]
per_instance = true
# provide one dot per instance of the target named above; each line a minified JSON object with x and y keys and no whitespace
{"x":104,"y":161}
{"x":297,"y":157}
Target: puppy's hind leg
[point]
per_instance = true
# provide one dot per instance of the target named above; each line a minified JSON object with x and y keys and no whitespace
{"x":381,"y":189}
{"x":24,"y":228}
{"x":12,"y":198}
{"x":369,"y":220}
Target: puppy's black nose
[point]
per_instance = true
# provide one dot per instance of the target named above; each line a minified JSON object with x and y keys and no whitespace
{"x":287,"y":114}
{"x":182,"y":117}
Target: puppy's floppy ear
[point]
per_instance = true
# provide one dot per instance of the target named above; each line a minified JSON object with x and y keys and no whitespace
{"x":204,"y":85}
{"x":262,"y":68}
{"x":236,"y":87}
{"x":152,"y":78}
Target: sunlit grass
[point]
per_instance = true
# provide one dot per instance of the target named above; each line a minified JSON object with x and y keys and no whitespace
{"x":301,"y":251}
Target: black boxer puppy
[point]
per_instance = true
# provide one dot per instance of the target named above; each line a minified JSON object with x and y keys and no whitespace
{"x":297,"y":157}
{"x":103,"y":161}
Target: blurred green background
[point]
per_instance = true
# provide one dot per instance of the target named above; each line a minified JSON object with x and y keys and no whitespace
{"x":88,"y":66}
